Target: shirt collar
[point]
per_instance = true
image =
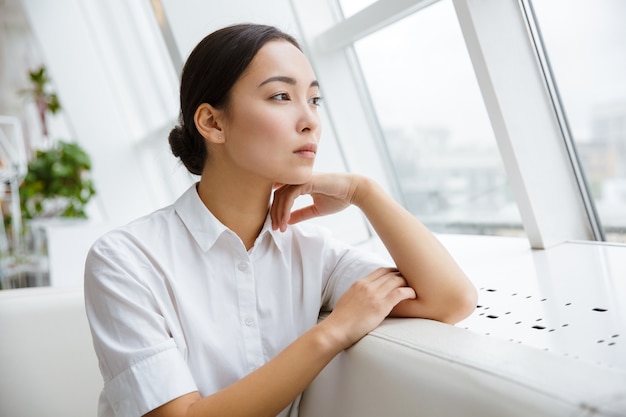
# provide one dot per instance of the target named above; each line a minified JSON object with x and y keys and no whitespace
{"x":206,"y":228}
{"x":275,"y":235}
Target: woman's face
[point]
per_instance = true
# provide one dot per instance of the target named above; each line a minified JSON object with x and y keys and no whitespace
{"x":271,"y":127}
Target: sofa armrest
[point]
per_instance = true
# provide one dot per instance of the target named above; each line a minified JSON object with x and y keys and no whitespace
{"x":410,"y":367}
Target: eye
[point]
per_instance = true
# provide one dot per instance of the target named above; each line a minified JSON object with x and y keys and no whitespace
{"x":280,"y":97}
{"x":316,"y":101}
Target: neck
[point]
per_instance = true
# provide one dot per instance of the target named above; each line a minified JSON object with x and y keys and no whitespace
{"x":241,"y":205}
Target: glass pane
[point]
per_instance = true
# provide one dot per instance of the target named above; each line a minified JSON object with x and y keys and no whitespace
{"x":435,"y":125}
{"x":586,"y":45}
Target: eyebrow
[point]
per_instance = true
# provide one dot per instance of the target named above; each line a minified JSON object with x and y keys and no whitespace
{"x":286,"y":80}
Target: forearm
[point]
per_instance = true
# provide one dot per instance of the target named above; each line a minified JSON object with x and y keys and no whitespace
{"x":271,"y":388}
{"x":443,"y":291}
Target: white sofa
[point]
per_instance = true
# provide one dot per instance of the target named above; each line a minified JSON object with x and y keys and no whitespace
{"x":47,"y":364}
{"x":404,"y":368}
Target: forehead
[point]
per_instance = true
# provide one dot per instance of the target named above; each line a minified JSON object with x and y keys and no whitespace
{"x":279,"y":58}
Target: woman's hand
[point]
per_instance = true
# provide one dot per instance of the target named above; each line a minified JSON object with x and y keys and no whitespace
{"x":366,"y":304}
{"x":270,"y":388}
{"x":445,"y":292}
{"x":330,"y":193}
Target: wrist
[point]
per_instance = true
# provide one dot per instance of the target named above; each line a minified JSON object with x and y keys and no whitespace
{"x":330,"y":337}
{"x":364,"y":189}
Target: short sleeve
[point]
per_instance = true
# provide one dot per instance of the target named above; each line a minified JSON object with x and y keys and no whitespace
{"x":350,"y":265}
{"x":141,"y":363}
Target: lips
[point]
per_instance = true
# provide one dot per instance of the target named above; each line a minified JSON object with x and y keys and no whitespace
{"x":308,"y":150}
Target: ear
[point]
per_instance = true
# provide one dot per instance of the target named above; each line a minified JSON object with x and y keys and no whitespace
{"x":208,"y":122}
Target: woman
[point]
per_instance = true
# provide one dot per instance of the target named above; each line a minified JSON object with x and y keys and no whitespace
{"x":209,"y":306}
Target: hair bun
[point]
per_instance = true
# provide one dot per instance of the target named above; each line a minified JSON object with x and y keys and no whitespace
{"x":182,"y":146}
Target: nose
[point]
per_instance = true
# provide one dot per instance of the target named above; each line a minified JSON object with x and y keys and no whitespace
{"x":309,"y":119}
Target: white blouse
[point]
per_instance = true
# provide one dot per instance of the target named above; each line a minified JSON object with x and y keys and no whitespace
{"x":177,"y":304}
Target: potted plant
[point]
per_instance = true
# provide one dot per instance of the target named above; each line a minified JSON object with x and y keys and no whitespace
{"x":57,"y":183}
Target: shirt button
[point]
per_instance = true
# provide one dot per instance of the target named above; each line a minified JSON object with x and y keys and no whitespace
{"x":249,"y":321}
{"x":242,"y":266}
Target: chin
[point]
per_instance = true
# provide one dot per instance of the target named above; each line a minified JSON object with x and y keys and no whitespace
{"x":297,"y":179}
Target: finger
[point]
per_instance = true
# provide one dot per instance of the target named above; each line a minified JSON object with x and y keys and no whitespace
{"x":303,"y":214}
{"x":274,"y":210}
{"x":287,"y":200}
{"x":379,"y":273}
{"x":284,"y":198}
{"x":401,"y":294}
{"x":389,"y":281}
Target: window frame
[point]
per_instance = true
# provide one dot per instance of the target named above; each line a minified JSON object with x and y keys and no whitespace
{"x":553,"y":204}
{"x":589,"y":202}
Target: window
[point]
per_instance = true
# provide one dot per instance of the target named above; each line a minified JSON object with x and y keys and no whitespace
{"x":584,"y":43}
{"x":435,"y":126}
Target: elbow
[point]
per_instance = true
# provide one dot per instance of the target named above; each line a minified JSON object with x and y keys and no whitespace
{"x":461,"y":305}
{"x":450,"y":307}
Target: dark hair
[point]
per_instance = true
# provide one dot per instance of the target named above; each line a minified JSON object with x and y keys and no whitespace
{"x":208,"y":76}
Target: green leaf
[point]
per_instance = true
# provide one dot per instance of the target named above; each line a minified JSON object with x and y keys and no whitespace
{"x":62,"y":171}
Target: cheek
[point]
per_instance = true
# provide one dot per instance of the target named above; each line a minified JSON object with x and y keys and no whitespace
{"x":258,"y":138}
{"x":271,"y":119}
{"x":262,"y":125}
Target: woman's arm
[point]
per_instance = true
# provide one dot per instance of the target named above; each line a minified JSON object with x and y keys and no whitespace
{"x":444,"y":293}
{"x":272,"y":387}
